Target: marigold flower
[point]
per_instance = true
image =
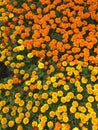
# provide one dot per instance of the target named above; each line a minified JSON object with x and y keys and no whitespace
{"x":5,"y":110}
{"x":3,"y":121}
{"x":19,"y":127}
{"x":11,"y":123}
{"x":75,"y":128}
{"x":20,"y":57}
{"x":50,"y":124}
{"x":40,"y":65}
{"x":26,"y":120}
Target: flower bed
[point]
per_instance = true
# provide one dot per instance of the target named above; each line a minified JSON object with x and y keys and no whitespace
{"x":49,"y":65}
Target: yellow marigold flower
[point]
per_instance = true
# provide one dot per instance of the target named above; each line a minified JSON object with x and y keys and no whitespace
{"x":52,"y":114}
{"x":11,"y":15}
{"x":79,"y":89}
{"x":6,"y":63}
{"x":72,"y":109}
{"x":79,"y":96}
{"x":75,"y":103}
{"x":29,"y":55}
{"x":12,"y":65}
{"x":17,"y":100}
{"x":46,"y":106}
{"x":76,"y":72}
{"x":77,"y":83}
{"x":60,"y":93}
{"x":54,"y":99}
{"x":14,"y":108}
{"x":28,"y":106}
{"x":94,"y":71}
{"x":61,"y":75}
{"x":66,"y":87}
{"x":44,"y":119}
{"x":2,"y":10}
{"x":64,"y":63}
{"x":90,"y":67}
{"x":34,"y":109}
{"x":93,"y":78}
{"x":40,"y":65}
{"x":30,"y":94}
{"x":21,"y":115}
{"x":54,"y":94}
{"x":19,"y":109}
{"x":11,"y":123}
{"x":17,"y":95}
{"x":65,"y":119}
{"x":69,"y":73}
{"x":22,"y":72}
{"x":45,"y":87}
{"x":90,"y":99}
{"x":27,"y":114}
{"x":18,"y":120}
{"x":2,"y":28}
{"x":28,"y":82}
{"x":79,"y":67}
{"x":71,"y":63}
{"x":70,"y":94}
{"x":63,"y":99}
{"x":59,"y":109}
{"x":50,"y":124}
{"x":33,"y":79}
{"x":2,"y":103}
{"x":7,"y":93}
{"x":77,"y":115}
{"x":93,"y":114}
{"x":26,"y":120}
{"x":3,"y":121}
{"x":18,"y":65}
{"x":55,"y":84}
{"x":10,"y":81}
{"x":37,"y":103}
{"x":13,"y":113}
{"x":96,"y":98}
{"x":49,"y":101}
{"x":26,"y":88}
{"x":19,"y":57}
{"x":48,"y":82}
{"x":16,"y":49}
{"x":41,"y":125}
{"x":21,"y":103}
{"x":82,"y":109}
{"x":94,"y":121}
{"x":20,"y":41}
{"x":96,"y":86}
{"x":84,"y":80}
{"x":75,"y":128}
{"x":19,"y":127}
{"x":94,"y":127}
{"x":88,"y":105}
{"x":44,"y":95}
{"x":35,"y":95}
{"x":16,"y":71}
{"x":21,"y":48}
{"x":26,"y":75}
{"x":34,"y":123}
{"x":53,"y":79}
{"x":5,"y":110}
{"x":43,"y":109}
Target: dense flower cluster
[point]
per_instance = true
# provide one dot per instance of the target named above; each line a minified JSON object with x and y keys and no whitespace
{"x":51,"y":49}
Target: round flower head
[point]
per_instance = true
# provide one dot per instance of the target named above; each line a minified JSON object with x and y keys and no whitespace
{"x":40,"y":65}
{"x":75,"y":128}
